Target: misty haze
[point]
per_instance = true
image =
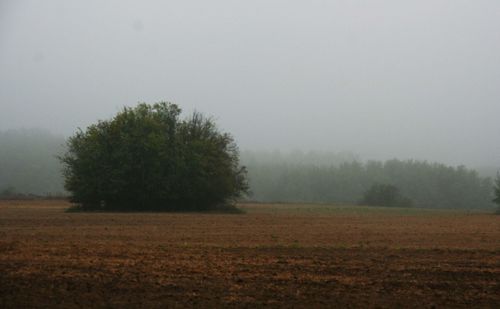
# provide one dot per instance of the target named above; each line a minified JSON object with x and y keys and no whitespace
{"x":383,"y":80}
{"x":322,"y":153}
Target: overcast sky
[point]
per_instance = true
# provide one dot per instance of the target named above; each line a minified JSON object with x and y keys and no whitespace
{"x":407,"y":79}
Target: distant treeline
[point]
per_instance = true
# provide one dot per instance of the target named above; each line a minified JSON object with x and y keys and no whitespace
{"x":28,"y":163}
{"x":29,"y":166}
{"x":344,"y":180}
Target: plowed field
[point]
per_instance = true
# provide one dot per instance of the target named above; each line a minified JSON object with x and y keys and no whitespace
{"x":273,"y":255}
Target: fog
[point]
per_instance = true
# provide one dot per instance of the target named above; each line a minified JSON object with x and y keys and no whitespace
{"x":381,"y":79}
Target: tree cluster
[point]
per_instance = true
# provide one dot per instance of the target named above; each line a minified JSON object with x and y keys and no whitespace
{"x":147,"y":159}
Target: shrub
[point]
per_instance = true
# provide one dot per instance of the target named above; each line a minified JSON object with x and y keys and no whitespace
{"x":147,"y":159}
{"x":385,"y":195}
{"x":8,"y":192}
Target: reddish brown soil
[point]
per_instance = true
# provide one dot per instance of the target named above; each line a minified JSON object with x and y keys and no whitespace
{"x":274,"y":255}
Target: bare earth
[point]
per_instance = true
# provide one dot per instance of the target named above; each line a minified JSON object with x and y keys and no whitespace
{"x":274,"y":255}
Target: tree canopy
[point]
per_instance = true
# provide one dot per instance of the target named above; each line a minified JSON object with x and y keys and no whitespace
{"x":147,"y":158}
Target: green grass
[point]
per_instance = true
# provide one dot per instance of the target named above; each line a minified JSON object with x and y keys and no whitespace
{"x":335,"y":209}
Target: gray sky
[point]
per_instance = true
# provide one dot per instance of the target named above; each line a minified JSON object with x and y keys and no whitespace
{"x":407,"y":79}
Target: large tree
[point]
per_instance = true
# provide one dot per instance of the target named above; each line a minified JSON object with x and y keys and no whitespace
{"x":147,"y":158}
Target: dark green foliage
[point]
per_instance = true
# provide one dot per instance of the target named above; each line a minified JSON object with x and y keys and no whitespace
{"x":385,"y":195}
{"x":428,"y":185}
{"x":28,"y":162}
{"x":146,"y":159}
{"x":496,"y":188}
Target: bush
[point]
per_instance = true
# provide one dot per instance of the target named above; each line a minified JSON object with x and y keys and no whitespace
{"x":385,"y":195}
{"x":147,"y":159}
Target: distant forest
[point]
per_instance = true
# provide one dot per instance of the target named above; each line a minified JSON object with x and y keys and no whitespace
{"x":28,"y":162}
{"x":29,"y":165}
{"x":342,"y":178}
